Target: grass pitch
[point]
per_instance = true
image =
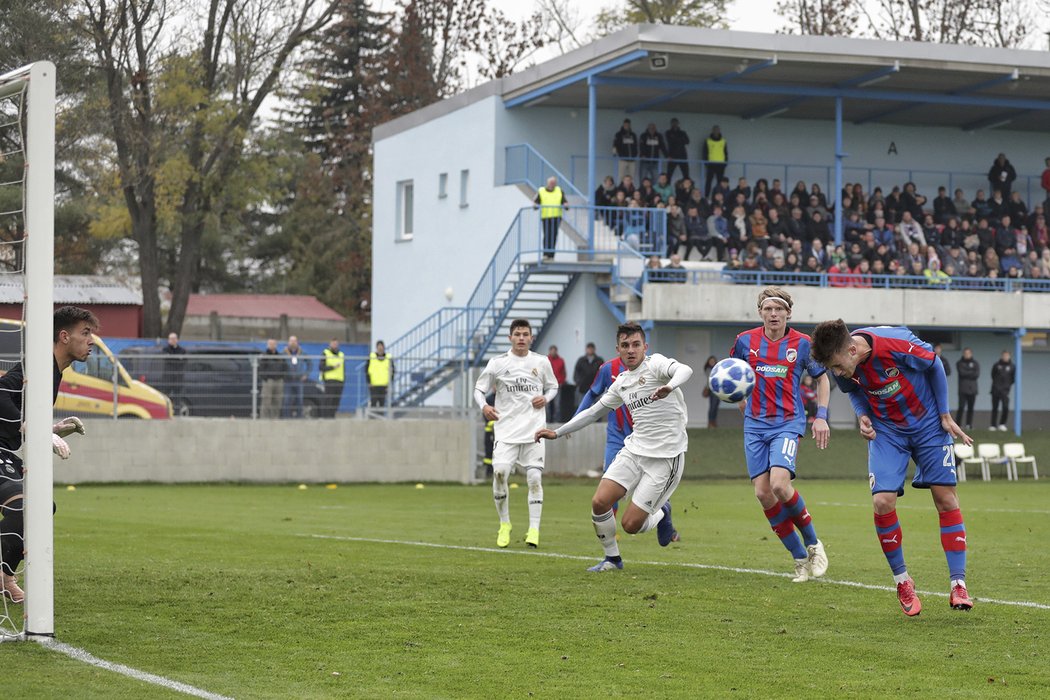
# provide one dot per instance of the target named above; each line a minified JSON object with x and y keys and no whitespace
{"x":378,"y":591}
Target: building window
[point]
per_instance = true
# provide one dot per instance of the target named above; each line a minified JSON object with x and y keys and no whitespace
{"x":442,"y":185}
{"x":405,"y":207}
{"x":464,"y":180}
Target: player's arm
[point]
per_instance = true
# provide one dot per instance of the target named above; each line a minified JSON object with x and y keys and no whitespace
{"x":608,"y":402}
{"x":550,"y":388}
{"x":821,"y":429}
{"x":939,"y":384}
{"x":860,"y":406}
{"x":677,"y":375}
{"x":601,"y":382}
{"x":482,"y":387}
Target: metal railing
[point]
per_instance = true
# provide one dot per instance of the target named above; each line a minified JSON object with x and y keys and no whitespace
{"x":869,"y":281}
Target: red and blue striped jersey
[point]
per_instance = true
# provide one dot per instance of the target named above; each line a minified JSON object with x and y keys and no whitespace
{"x":620,"y":422}
{"x":901,"y":384}
{"x":776,"y":403}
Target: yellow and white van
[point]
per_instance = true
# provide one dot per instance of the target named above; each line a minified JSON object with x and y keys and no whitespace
{"x":87,"y":387}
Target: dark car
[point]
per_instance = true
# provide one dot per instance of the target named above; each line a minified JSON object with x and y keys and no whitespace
{"x":209,"y":380}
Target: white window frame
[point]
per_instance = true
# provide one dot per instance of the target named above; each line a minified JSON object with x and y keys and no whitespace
{"x":443,"y":186}
{"x":405,"y":215}
{"x":464,"y":183}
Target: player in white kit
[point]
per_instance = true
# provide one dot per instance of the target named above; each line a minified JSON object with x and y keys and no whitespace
{"x":524,"y":384}
{"x":653,"y":455}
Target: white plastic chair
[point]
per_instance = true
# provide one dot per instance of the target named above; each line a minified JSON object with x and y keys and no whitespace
{"x":990,"y":453}
{"x":1014,"y":451}
{"x":964,"y":456}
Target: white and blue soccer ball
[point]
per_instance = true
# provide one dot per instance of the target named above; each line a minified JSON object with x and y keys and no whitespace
{"x":732,"y":380}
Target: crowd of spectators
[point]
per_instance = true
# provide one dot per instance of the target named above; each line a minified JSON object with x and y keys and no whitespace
{"x":767,"y":227}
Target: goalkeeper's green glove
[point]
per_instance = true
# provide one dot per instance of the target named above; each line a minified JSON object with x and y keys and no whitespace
{"x":68,"y":426}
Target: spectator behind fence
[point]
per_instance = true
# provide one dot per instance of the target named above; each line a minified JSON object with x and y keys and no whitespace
{"x":651,"y":149}
{"x":554,"y":414}
{"x":380,"y":373}
{"x":677,"y":142}
{"x":969,"y":372}
{"x":1001,"y":175}
{"x":1045,"y":182}
{"x":272,"y":371}
{"x":1003,"y":376}
{"x":625,"y":147}
{"x":298,"y":369}
{"x":174,"y":365}
{"x":715,"y":154}
{"x":333,"y":374}
{"x":585,"y":371}
{"x":713,"y":401}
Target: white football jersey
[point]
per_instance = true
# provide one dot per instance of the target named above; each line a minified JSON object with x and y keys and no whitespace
{"x":517,"y":381}
{"x":659,"y":426}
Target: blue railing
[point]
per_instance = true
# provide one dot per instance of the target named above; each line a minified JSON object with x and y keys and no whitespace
{"x":524,"y":165}
{"x":926,"y":181}
{"x":823,"y":279}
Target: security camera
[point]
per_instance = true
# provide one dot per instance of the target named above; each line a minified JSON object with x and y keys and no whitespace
{"x":658,"y":61}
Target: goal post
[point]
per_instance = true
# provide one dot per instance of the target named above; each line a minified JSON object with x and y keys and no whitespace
{"x":36,"y":83}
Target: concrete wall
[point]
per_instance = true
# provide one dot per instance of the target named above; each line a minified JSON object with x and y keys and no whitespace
{"x":195,"y":450}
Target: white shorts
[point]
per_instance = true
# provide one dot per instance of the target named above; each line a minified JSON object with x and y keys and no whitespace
{"x":525,"y":455}
{"x":653,"y":479}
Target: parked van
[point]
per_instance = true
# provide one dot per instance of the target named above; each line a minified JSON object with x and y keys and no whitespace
{"x":87,"y":387}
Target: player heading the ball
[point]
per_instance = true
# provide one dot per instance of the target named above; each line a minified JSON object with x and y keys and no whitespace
{"x":775,"y":420}
{"x":899,"y":391}
{"x":653,"y":455}
{"x":524,"y":384}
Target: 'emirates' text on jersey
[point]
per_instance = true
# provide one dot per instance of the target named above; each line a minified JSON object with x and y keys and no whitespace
{"x":776,"y":402}
{"x":659,"y":426}
{"x":517,"y":381}
{"x":894,"y":381}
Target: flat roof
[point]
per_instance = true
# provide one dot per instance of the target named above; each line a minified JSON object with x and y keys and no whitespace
{"x":754,"y":75}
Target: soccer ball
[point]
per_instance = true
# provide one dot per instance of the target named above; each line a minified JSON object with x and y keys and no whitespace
{"x":732,"y":380}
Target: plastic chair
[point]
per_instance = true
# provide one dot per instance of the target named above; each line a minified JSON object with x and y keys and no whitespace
{"x":990,"y":453}
{"x":964,"y":456}
{"x":1014,"y":451}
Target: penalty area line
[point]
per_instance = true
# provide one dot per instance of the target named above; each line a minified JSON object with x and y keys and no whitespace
{"x":85,"y":657}
{"x":679,"y":564}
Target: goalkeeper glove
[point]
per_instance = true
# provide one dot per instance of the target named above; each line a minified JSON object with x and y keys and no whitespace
{"x":68,"y":426}
{"x":59,"y":447}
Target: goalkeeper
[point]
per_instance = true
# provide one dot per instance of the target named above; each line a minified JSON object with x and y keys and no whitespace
{"x":74,"y":337}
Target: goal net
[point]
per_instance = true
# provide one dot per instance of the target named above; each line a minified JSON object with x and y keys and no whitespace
{"x":27,"y":189}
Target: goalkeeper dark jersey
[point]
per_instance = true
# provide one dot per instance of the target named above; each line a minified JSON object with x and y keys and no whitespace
{"x":11,"y":387}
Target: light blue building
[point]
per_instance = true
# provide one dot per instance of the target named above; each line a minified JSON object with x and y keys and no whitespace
{"x":456,"y":240}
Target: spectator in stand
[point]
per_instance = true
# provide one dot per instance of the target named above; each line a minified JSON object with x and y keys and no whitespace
{"x":797,"y":225}
{"x":1040,"y":234}
{"x":606,"y":192}
{"x":943,"y":206}
{"x":913,"y":254}
{"x":812,"y":266}
{"x":759,"y":226}
{"x":876,"y":202}
{"x":1001,"y":176}
{"x":933,"y":273}
{"x":723,"y":189}
{"x":627,"y":187}
{"x":1003,"y":377}
{"x":585,"y":370}
{"x":931,"y":234}
{"x":912,"y":201}
{"x":1016,"y":208}
{"x":819,"y":253}
{"x":955,"y":256}
{"x":840,"y":275}
{"x":675,"y":271}
{"x":684,"y":190}
{"x":910,"y":230}
{"x":991,"y":261}
{"x":792,"y":262}
{"x":883,"y":255}
{"x":998,"y":206}
{"x":677,"y":142}
{"x":969,"y":372}
{"x":962,"y":204}
{"x":554,"y":414}
{"x":779,"y":202}
{"x":1005,"y":235}
{"x":1010,"y":263}
{"x":862,"y":274}
{"x":801,"y":190}
{"x":779,"y":233}
{"x":893,"y":205}
{"x":738,"y":233}
{"x":854,"y":228}
{"x":696,"y":199}
{"x":651,"y":149}
{"x":1045,"y":182}
{"x":625,"y":148}
{"x":951,"y":235}
{"x":715,"y":154}
{"x":718,"y":230}
{"x":815,"y":191}
{"x":742,"y":188}
{"x":648,"y":195}
{"x":1031,"y":264}
{"x":982,"y":208}
{"x":739,"y":199}
{"x":663,"y":188}
{"x":676,"y":232}
{"x":551,"y":202}
{"x":816,"y":207}
{"x":654,"y":271}
{"x":817,"y":228}
{"x":985,"y":236}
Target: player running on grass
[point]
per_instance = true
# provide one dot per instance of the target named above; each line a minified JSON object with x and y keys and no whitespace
{"x":619,"y":424}
{"x":899,"y":391}
{"x":73,"y":337}
{"x":524,"y":384}
{"x":653,"y":455}
{"x":775,"y":419}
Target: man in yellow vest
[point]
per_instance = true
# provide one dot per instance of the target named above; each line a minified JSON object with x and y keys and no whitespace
{"x":551,"y":201}
{"x":380,"y":372}
{"x":715,"y":156}
{"x":333,"y":374}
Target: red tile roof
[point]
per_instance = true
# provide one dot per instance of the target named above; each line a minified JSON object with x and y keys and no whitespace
{"x":260,"y":306}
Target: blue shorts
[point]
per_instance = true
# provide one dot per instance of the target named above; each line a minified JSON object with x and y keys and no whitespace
{"x":888,"y":455}
{"x":765,"y":450}
{"x":612,"y":448}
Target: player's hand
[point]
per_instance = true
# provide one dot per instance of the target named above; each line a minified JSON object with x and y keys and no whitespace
{"x":546,"y":434}
{"x":953,"y":429}
{"x":490,"y":413}
{"x":68,"y":426}
{"x":59,"y":447}
{"x":661,"y":393}
{"x":821,"y":432}
{"x":867,"y":430}
{"x":539,"y":402}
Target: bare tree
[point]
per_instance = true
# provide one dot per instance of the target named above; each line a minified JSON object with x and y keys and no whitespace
{"x":820,"y":17}
{"x":690,"y":13}
{"x":182,"y":101}
{"x":1005,"y":23}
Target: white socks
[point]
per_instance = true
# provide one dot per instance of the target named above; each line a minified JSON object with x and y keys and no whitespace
{"x":534,"y":477}
{"x":500,"y":475}
{"x":605,"y":528}
{"x":652,"y":521}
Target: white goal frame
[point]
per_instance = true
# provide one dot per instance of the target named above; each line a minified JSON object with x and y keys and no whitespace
{"x":38,"y":81}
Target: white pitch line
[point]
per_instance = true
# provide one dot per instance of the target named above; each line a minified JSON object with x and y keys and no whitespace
{"x":927,"y":507}
{"x":682,"y":564}
{"x":85,"y":657}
